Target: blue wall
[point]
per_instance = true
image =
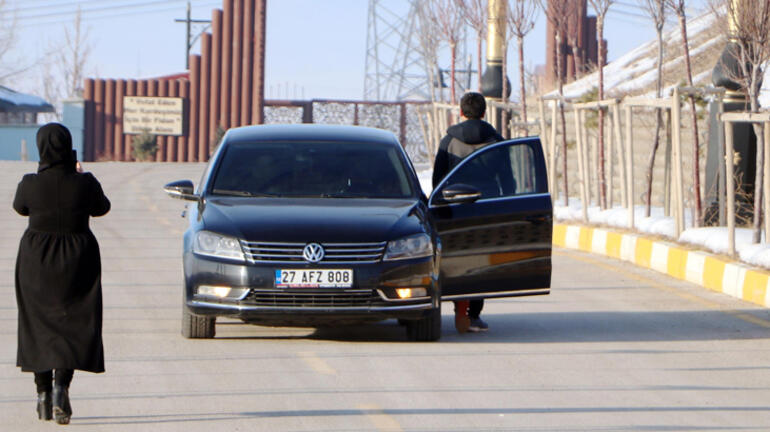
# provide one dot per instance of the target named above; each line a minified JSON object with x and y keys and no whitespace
{"x":11,"y":135}
{"x":10,"y":142}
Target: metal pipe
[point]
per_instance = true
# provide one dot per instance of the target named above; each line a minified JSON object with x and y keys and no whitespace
{"x":216,"y":71}
{"x":260,"y":33}
{"x":227,"y":64}
{"x":235,"y":102}
{"x":195,"y":82}
{"x":90,"y":120}
{"x":247,"y":62}
{"x":99,"y":120}
{"x":205,"y":93}
{"x":118,"y":137}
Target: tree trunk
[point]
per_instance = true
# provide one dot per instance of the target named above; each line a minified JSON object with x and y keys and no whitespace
{"x":577,"y":59}
{"x":696,"y":217}
{"x":600,"y":131}
{"x":522,"y":87}
{"x":453,"y":96}
{"x":505,"y":131}
{"x":560,"y":80}
{"x":478,"y":59}
{"x":658,"y":125}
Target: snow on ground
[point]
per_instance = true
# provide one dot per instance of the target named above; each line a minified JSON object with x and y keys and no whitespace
{"x":712,"y":239}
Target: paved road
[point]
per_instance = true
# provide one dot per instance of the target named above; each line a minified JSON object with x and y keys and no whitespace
{"x":612,"y":348}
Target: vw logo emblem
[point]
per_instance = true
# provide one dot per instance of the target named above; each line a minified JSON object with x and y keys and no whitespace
{"x":313,"y":253}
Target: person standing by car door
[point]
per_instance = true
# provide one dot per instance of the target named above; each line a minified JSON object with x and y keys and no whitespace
{"x":461,"y":140}
{"x":58,"y":273}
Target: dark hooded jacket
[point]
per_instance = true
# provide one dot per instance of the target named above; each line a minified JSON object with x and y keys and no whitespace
{"x":58,"y":267}
{"x":461,"y":140}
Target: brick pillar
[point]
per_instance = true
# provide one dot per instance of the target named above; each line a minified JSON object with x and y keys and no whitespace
{"x":258,"y":98}
{"x":184,"y":93}
{"x":216,"y":72}
{"x":247,"y":62}
{"x":171,"y":141}
{"x":227,"y":64}
{"x":162,"y":140}
{"x":98,"y":120}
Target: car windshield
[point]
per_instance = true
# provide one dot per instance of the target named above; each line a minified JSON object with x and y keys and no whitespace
{"x":312,"y":169}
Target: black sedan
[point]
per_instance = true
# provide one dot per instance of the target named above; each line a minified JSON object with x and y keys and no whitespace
{"x":313,"y":225}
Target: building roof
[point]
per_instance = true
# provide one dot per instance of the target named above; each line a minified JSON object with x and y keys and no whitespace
{"x":13,"y":101}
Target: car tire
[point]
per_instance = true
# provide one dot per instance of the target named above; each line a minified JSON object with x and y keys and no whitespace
{"x":196,"y":326}
{"x":427,"y":329}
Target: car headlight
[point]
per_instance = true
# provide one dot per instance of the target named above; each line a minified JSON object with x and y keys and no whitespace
{"x":216,"y":245}
{"x":415,"y":246}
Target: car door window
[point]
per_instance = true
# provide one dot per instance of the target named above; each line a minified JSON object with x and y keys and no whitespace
{"x":503,"y":171}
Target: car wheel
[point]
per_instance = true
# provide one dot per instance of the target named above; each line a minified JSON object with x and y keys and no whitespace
{"x":427,"y":329}
{"x":196,"y":326}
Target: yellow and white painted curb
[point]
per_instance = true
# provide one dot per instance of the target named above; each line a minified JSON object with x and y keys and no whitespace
{"x":707,"y":270}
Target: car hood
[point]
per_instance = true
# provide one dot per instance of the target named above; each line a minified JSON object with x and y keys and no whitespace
{"x":313,"y":219}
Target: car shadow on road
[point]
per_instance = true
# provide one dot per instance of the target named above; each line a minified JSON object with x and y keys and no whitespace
{"x":554,"y":327}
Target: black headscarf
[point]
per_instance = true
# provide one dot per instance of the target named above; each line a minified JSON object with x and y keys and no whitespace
{"x":54,"y":145}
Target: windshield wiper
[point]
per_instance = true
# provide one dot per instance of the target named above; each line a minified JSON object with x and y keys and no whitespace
{"x":240,"y":193}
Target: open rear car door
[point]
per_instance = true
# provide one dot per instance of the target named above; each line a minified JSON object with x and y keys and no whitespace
{"x":494,"y":216}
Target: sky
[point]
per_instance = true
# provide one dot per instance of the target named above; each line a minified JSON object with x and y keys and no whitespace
{"x":315,"y":48}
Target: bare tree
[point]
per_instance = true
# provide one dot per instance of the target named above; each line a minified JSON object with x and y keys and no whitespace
{"x":475,"y":13}
{"x":656,"y":9}
{"x":64,"y":78}
{"x":521,"y":20}
{"x":449,"y":20}
{"x":430,"y":43}
{"x":7,"y":40}
{"x":678,"y":6}
{"x":558,"y":13}
{"x":748,"y":24}
{"x":601,"y":7}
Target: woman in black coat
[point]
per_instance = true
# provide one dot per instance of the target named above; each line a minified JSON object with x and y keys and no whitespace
{"x":58,"y":273}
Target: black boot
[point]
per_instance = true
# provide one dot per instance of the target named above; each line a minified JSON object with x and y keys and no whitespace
{"x":62,"y":411}
{"x":44,"y":405}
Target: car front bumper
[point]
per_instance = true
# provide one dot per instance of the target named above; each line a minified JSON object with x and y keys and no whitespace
{"x":372,"y":297}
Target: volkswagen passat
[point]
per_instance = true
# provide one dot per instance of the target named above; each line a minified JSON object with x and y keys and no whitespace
{"x":313,"y":225}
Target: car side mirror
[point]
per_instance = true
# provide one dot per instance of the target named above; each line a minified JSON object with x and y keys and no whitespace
{"x":460,"y":194}
{"x":181,"y":189}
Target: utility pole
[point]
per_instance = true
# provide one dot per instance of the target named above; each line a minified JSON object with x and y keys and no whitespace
{"x":190,"y":39}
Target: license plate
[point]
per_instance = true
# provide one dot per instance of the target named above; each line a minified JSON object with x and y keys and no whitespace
{"x":314,"y":278}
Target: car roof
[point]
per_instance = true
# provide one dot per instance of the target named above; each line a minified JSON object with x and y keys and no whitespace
{"x":310,"y":132}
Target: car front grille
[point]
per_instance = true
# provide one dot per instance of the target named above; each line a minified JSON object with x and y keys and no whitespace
{"x":334,"y":253}
{"x":312,"y":298}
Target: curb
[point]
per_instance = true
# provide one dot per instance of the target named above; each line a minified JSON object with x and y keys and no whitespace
{"x":704,"y":269}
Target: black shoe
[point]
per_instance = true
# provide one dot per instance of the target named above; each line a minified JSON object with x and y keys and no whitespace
{"x":62,"y":411}
{"x":44,"y":405}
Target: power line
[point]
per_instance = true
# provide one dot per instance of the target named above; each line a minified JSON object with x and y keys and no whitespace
{"x":67,"y":18}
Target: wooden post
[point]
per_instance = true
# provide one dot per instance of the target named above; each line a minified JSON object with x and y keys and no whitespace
{"x":766,"y":179}
{"x":609,"y":163}
{"x":721,"y":183}
{"x":552,"y":153}
{"x":667,"y":168}
{"x":581,"y":163}
{"x":625,"y":178}
{"x":630,"y":167}
{"x":676,"y":133}
{"x":543,"y":132}
{"x":729,"y":157}
{"x":587,"y":163}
